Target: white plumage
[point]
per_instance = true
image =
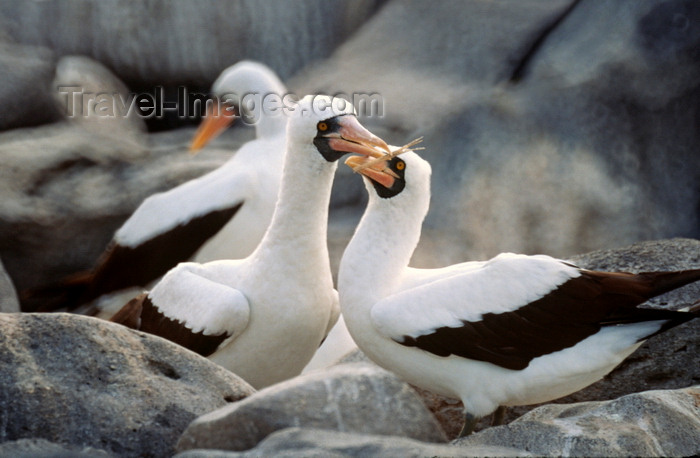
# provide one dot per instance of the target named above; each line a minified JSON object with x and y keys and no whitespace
{"x":505,"y":283}
{"x":513,"y":330}
{"x":251,"y":177}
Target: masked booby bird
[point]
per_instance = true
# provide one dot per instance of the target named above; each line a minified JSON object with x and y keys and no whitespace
{"x":263,"y":317}
{"x":220,"y":215}
{"x":514,"y":330}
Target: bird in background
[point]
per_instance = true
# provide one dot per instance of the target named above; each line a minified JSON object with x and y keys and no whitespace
{"x":263,"y":317}
{"x":220,"y":215}
{"x":513,"y":330}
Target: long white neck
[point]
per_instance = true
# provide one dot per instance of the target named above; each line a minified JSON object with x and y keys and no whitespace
{"x":299,"y":223}
{"x":380,"y":250}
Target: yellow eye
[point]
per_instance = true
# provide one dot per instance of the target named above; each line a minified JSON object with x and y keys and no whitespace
{"x":322,"y":126}
{"x":400,"y":165}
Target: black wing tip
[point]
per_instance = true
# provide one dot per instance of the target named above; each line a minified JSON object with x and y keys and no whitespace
{"x":670,"y":318}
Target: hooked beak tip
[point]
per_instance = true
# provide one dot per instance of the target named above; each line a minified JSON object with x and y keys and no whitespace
{"x":383,"y":145}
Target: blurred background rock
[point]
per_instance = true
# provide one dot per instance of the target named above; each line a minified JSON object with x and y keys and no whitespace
{"x":557,"y":126}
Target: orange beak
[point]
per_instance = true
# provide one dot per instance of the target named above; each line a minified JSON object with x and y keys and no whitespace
{"x":352,"y":137}
{"x":376,"y":170}
{"x":214,"y":123}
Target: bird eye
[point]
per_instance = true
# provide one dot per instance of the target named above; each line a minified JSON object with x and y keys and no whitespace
{"x":322,"y":126}
{"x":400,"y":165}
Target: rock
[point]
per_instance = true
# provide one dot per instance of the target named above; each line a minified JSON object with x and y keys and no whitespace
{"x":40,"y":448}
{"x":356,"y":398}
{"x":651,"y":255}
{"x":26,"y":73}
{"x":433,"y":54}
{"x":8,"y":296}
{"x":65,"y":189}
{"x":84,"y":382}
{"x":189,"y":42}
{"x":652,"y":423}
{"x":318,"y":442}
{"x":639,"y":75}
{"x":90,"y":94}
{"x":537,"y":138}
{"x":447,"y":411}
{"x":416,"y":85}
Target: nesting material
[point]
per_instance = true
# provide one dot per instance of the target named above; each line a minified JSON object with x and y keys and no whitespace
{"x":391,"y":155}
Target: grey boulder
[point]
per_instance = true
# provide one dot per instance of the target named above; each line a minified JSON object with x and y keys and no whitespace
{"x":41,"y":448}
{"x":190,"y":42}
{"x":593,"y":146}
{"x":652,"y":423}
{"x":556,"y":127}
{"x":355,"y":398}
{"x":306,"y":442}
{"x":428,"y":61}
{"x":26,"y":95}
{"x":85,"y":382}
{"x":87,"y":92}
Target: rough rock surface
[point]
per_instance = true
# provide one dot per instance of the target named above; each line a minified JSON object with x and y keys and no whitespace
{"x":190,"y":42}
{"x":84,"y":382}
{"x":87,"y":92}
{"x":356,"y":398}
{"x":437,"y":57}
{"x":26,"y":73}
{"x":652,"y":423}
{"x":305,"y":442}
{"x":41,"y":448}
{"x":538,"y":140}
{"x":8,"y":296}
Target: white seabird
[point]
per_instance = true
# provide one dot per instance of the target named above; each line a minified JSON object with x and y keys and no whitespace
{"x":514,"y":330}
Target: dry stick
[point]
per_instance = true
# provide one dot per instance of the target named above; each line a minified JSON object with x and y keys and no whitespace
{"x":389,"y":156}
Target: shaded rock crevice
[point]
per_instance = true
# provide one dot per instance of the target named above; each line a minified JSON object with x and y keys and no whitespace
{"x":521,"y":65}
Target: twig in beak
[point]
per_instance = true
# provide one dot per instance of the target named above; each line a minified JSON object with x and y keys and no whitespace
{"x":389,"y":156}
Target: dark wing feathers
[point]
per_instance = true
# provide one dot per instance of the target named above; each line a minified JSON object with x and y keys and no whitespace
{"x":130,"y":314}
{"x":567,"y":315}
{"x":141,"y":314}
{"x":121,"y":267}
{"x":57,"y":295}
